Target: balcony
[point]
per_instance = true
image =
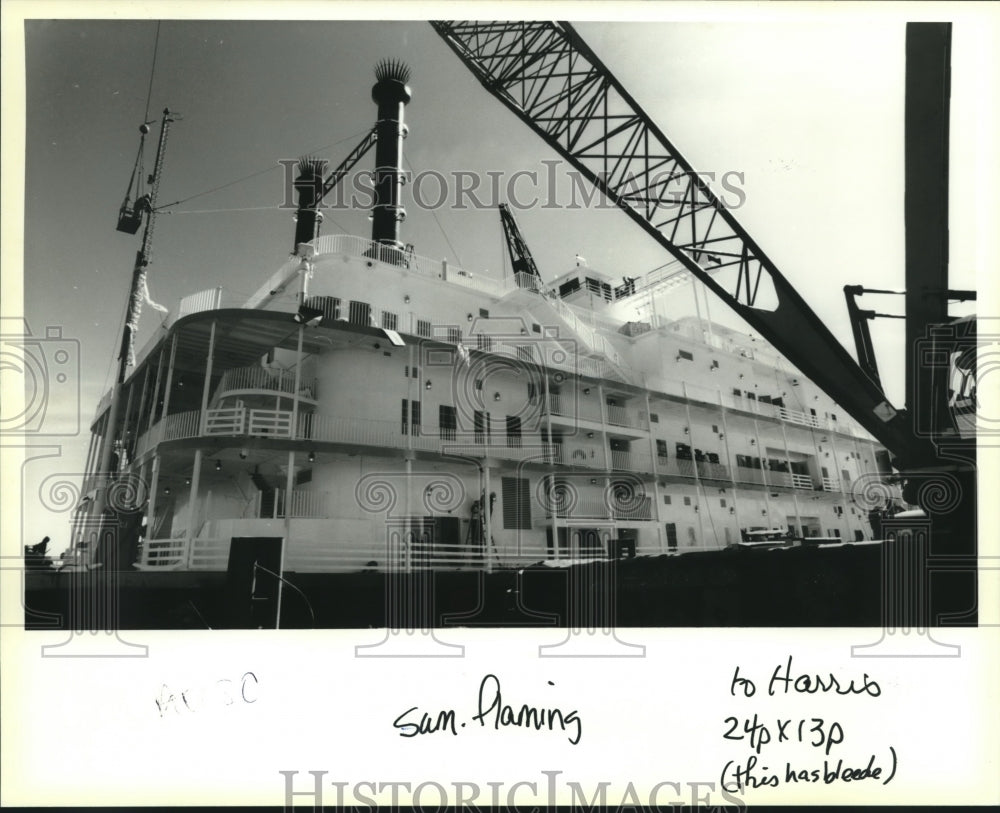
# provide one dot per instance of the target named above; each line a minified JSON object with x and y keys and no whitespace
{"x":579,"y":408}
{"x":259,"y":379}
{"x":620,"y":416}
{"x":712,"y":471}
{"x":830,"y":484}
{"x":638,"y":509}
{"x":784,"y":479}
{"x":303,"y":504}
{"x":405,"y":551}
{"x":631,"y":461}
{"x":747,"y":474}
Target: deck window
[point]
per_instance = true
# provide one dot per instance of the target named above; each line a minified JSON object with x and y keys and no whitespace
{"x":516,"y":495}
{"x":513,"y":431}
{"x":446,"y":421}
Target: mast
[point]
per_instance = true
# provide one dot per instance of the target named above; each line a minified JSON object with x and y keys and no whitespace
{"x":137,"y":293}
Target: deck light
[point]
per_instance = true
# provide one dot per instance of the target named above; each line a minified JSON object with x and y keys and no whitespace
{"x":218,"y":465}
{"x":496,"y":396}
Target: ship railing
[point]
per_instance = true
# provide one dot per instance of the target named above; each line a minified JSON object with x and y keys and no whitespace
{"x":747,"y":474}
{"x":180,"y":425}
{"x":353,"y":246}
{"x":364,"y":432}
{"x":568,"y":406}
{"x":302,"y":504}
{"x":269,"y":423}
{"x":206,"y":300}
{"x":637,"y":509}
{"x":802,"y":481}
{"x":631,"y":461}
{"x":527,"y":450}
{"x":787,"y":479}
{"x":413,"y":551}
{"x":163,"y":554}
{"x":146,"y":441}
{"x":577,"y":456}
{"x":677,"y":466}
{"x":830,"y":483}
{"x":262,"y":379}
{"x":779,"y":478}
{"x":211,"y":553}
{"x":227,"y":421}
{"x":622,"y":416}
{"x":526,"y":281}
{"x":803,"y":418}
{"x":712,"y":471}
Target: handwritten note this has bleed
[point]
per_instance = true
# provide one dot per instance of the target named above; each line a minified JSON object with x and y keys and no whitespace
{"x":774,"y":741}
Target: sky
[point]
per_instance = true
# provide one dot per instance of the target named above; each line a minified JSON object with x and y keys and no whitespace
{"x":808,"y":109}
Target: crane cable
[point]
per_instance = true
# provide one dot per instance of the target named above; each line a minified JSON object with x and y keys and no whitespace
{"x":267,"y":169}
{"x":152,"y":72}
{"x":434,"y":214}
{"x":138,"y":168}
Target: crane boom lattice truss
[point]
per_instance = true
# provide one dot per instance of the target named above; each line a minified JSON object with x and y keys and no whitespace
{"x":547,"y":75}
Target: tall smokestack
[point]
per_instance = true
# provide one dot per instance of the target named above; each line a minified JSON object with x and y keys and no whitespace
{"x":309,"y":186}
{"x":391,"y":94}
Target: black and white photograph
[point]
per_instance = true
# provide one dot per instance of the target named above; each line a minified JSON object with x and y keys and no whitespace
{"x":615,"y":337}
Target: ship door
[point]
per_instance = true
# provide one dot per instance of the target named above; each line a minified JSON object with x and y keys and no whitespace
{"x":252,"y":581}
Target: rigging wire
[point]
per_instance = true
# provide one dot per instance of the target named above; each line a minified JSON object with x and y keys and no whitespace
{"x":270,"y":168}
{"x":434,"y":215}
{"x":152,"y":72}
{"x":213,"y":211}
{"x":138,"y":168}
{"x":326,"y":214}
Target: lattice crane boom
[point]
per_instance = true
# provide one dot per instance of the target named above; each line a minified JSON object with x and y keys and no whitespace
{"x":549,"y":78}
{"x":520,"y":255}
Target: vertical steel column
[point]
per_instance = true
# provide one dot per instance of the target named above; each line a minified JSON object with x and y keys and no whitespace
{"x":552,"y":481}
{"x":843,"y":494}
{"x":156,"y":386}
{"x":763,"y":470}
{"x":791,"y":475}
{"x":170,"y":379}
{"x":928,"y":101}
{"x":485,"y":513}
{"x":699,"y":495}
{"x":206,"y":385}
{"x":731,"y":465}
{"x":656,"y":480}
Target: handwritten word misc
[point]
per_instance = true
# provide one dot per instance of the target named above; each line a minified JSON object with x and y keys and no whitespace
{"x":218,"y":694}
